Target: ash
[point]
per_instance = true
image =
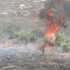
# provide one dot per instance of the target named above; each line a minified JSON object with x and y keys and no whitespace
{"x":25,"y":57}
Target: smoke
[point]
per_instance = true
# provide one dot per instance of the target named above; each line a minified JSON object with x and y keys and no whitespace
{"x":60,"y":7}
{"x":20,"y":50}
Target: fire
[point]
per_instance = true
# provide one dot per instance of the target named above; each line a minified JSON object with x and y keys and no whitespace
{"x":61,"y":20}
{"x":50,"y":14}
{"x":53,"y":28}
{"x":10,"y":43}
{"x":47,"y":46}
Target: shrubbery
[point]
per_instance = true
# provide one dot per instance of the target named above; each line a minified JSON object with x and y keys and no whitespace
{"x":66,"y":45}
{"x":24,"y":35}
{"x":30,"y":36}
{"x":40,"y":41}
{"x":60,"y":38}
{"x":60,"y":41}
{"x":63,"y":42}
{"x":11,"y":29}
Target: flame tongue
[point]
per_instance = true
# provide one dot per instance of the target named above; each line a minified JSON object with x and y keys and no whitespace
{"x":47,"y":46}
{"x":50,"y":14}
{"x":53,"y":28}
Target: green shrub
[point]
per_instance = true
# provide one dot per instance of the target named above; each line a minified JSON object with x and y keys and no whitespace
{"x":40,"y":41}
{"x":19,"y":35}
{"x":30,"y":35}
{"x":46,"y":39}
{"x":60,"y":38}
{"x":66,"y":45}
{"x":24,"y":35}
{"x":11,"y":29}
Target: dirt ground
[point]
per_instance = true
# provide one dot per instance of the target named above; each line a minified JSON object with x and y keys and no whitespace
{"x":12,"y":58}
{"x":20,"y":58}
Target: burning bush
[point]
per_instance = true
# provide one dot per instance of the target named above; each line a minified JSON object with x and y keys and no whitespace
{"x":55,"y":23}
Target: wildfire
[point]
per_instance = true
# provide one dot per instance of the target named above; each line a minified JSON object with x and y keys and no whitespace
{"x":50,"y":14}
{"x":47,"y":46}
{"x":53,"y":27}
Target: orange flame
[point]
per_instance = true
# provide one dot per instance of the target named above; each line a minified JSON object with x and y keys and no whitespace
{"x":61,"y":20}
{"x":50,"y":14}
{"x":47,"y":46}
{"x":53,"y":28}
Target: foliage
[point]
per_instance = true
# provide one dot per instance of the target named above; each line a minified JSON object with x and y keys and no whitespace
{"x":40,"y":41}
{"x":60,"y":38}
{"x":66,"y":45}
{"x":46,"y":39}
{"x":11,"y":29}
{"x":24,"y":35}
{"x":62,"y":41}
